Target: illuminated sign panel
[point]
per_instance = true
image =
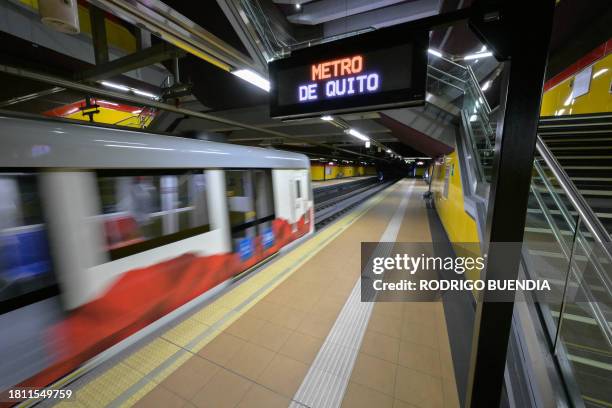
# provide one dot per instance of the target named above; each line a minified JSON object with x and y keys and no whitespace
{"x":381,"y":69}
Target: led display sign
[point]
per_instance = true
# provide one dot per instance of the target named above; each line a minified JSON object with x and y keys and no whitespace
{"x":381,"y":69}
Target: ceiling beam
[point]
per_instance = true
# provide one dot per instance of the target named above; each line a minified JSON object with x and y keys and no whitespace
{"x":130,"y":98}
{"x":156,"y":53}
{"x":327,"y":10}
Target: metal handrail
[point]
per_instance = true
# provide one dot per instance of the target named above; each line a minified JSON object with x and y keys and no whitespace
{"x":567,"y":216}
{"x":585,"y":212}
{"x":478,"y":89}
{"x":596,"y":311}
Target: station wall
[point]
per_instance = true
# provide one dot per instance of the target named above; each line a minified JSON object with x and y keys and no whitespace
{"x":320,"y":171}
{"x":590,"y":77}
{"x":447,"y":192}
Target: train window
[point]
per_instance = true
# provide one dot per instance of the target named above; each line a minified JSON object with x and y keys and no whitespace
{"x":251,"y":209}
{"x":25,"y":260}
{"x":143,"y":211}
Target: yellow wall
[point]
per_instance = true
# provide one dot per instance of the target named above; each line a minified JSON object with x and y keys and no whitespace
{"x":115,"y":117}
{"x":317,"y":173}
{"x":347,"y":171}
{"x":117,"y":34}
{"x":598,"y":99}
{"x":333,"y":172}
{"x":459,"y":226}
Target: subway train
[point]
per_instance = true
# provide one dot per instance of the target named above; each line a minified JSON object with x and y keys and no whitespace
{"x":104,"y":231}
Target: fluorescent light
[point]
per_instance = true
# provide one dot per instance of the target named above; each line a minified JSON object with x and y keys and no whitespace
{"x":388,"y":150}
{"x":434,"y":52}
{"x":298,"y":6}
{"x":253,"y":78}
{"x":143,"y":93}
{"x":420,"y":163}
{"x":126,"y":89}
{"x":115,"y":86}
{"x":327,"y":118}
{"x":368,"y":144}
{"x":486,"y":85}
{"x":600,"y":72}
{"x":331,"y":163}
{"x":357,"y":134}
{"x":473,"y":118}
{"x":478,"y":55}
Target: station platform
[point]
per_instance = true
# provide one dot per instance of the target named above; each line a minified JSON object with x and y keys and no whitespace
{"x":294,"y":333}
{"x":337,"y":181}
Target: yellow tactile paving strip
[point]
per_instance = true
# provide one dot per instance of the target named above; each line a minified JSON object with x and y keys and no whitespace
{"x":143,"y":366}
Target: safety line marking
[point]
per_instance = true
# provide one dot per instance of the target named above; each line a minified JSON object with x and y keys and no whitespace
{"x":327,"y":379}
{"x":217,"y":316}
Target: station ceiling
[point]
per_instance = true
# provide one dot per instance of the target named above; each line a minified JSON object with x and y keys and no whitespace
{"x":216,"y":91}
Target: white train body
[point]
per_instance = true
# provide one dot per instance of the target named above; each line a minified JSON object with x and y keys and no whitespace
{"x":92,"y":211}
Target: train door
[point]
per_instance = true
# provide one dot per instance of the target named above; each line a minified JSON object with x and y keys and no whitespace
{"x":264,"y":208}
{"x":251,"y":209}
{"x":297,"y":200}
{"x":241,"y":205}
{"x":300,"y":196}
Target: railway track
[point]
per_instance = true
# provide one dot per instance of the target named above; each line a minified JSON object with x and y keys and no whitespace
{"x":332,"y":205}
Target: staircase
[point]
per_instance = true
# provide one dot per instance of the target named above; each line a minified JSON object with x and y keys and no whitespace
{"x":575,"y":156}
{"x":567,"y":234}
{"x":583,"y":147}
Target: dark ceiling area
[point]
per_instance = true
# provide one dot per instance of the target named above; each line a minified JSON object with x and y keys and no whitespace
{"x":274,"y":27}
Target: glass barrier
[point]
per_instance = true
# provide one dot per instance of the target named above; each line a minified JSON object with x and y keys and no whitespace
{"x":561,"y":247}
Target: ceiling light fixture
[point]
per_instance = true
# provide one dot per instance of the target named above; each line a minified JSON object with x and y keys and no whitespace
{"x":143,"y":93}
{"x":435,"y":52}
{"x":115,"y":86}
{"x":357,"y":134}
{"x":253,"y":78}
{"x":124,"y":88}
{"x":327,"y":118}
{"x":477,"y":56}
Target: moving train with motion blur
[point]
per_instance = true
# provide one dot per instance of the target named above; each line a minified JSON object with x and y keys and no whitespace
{"x":104,"y":231}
